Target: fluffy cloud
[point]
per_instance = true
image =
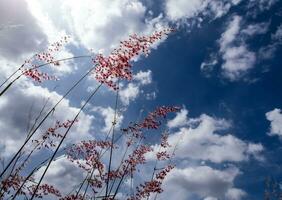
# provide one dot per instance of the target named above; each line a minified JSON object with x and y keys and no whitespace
{"x":228,"y":37}
{"x":262,"y":4}
{"x":179,"y":120}
{"x":181,"y":9}
{"x":253,"y":29}
{"x":21,"y":36}
{"x":201,"y":139}
{"x":62,"y":167}
{"x":108,"y":115}
{"x":237,"y":59}
{"x":48,"y":20}
{"x":235,"y":194}
{"x":21,"y":105}
{"x":204,"y":143}
{"x":204,"y":182}
{"x":19,"y":33}
{"x":144,"y":78}
{"x":98,"y":25}
{"x":131,"y":91}
{"x":234,"y":52}
{"x":275,"y":117}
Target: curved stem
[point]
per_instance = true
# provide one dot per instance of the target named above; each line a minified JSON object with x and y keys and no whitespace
{"x":7,"y":79}
{"x":36,"y":67}
{"x":26,"y":179}
{"x":41,"y":122}
{"x":62,"y":140}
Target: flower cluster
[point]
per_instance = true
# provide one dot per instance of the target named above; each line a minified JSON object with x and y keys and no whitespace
{"x":48,"y":56}
{"x":46,"y":139}
{"x":72,"y":197}
{"x":87,"y":154}
{"x":38,"y":76}
{"x":44,"y":190}
{"x":162,"y":154}
{"x":117,"y":64}
{"x":30,"y":66}
{"x":153,"y":186}
{"x":151,"y":121}
{"x":164,"y":141}
{"x":129,"y":165}
{"x":13,"y":182}
{"x":163,"y":173}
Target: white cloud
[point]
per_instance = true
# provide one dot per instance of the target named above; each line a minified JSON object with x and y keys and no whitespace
{"x":203,"y":181}
{"x":253,"y":29}
{"x":262,"y":5}
{"x":180,"y":119}
{"x":14,"y":117}
{"x":132,"y":90}
{"x":275,"y":117}
{"x":129,"y":93}
{"x":202,"y":139}
{"x":108,"y":115}
{"x":181,"y":9}
{"x":177,"y":9}
{"x":62,"y":167}
{"x":144,"y":78}
{"x":20,"y":35}
{"x":237,"y":61}
{"x":97,"y":25}
{"x":237,"y":58}
{"x":48,"y":20}
{"x":210,"y":198}
{"x":230,"y":34}
{"x":235,"y":194}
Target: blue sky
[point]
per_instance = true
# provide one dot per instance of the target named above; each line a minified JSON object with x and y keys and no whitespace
{"x":222,"y":65}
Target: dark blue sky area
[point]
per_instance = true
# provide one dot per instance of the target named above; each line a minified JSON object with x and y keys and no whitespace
{"x":176,"y":70}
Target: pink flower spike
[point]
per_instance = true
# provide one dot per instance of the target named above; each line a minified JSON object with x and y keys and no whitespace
{"x":117,"y":64}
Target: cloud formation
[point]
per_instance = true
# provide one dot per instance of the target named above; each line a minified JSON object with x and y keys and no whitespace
{"x":117,"y":20}
{"x":20,"y":35}
{"x":204,"y":182}
{"x":16,"y":116}
{"x":275,"y":118}
{"x":131,"y":91}
{"x":235,"y":57}
{"x":181,"y":9}
{"x":201,"y":139}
